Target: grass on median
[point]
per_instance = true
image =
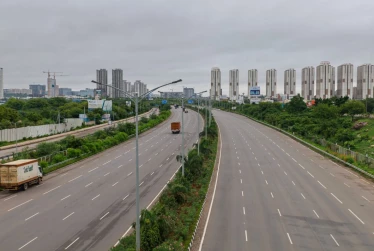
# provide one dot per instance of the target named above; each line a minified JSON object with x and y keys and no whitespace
{"x":169,"y":225}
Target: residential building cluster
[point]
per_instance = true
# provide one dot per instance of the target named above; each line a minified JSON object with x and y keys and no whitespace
{"x":323,"y":82}
{"x":118,"y":86}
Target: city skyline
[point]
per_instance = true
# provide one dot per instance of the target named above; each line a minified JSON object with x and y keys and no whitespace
{"x":58,"y":45}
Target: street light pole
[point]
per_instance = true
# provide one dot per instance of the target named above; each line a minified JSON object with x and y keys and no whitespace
{"x":206,"y":120}
{"x":16,"y":138}
{"x":136,"y":100}
{"x":210,"y":111}
{"x":198,"y":125}
{"x":137,"y":226}
{"x":182,"y":137}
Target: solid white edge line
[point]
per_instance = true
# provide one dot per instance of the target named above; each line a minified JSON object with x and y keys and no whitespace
{"x":72,"y":243}
{"x":214,"y":191}
{"x":28,"y":243}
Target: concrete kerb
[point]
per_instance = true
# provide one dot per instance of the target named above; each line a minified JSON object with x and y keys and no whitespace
{"x":312,"y":146}
{"x":155,"y":201}
{"x":21,"y":144}
{"x":204,"y":212}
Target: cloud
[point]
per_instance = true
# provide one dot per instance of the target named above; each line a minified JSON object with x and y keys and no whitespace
{"x":164,"y":40}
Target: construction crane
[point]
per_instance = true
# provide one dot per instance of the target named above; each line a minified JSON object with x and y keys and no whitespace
{"x":54,"y":74}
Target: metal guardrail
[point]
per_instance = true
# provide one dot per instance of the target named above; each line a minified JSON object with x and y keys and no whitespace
{"x":312,"y":146}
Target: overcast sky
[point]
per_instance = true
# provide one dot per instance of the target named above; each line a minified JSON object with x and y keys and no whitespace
{"x":160,"y":41}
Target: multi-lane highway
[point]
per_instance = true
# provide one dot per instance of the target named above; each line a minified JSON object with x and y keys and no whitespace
{"x":91,"y":204}
{"x":273,"y":193}
{"x":6,"y":151}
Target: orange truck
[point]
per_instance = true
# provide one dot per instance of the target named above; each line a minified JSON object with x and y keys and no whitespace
{"x":175,"y":127}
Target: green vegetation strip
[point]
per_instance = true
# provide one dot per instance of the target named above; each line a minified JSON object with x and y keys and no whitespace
{"x":330,"y":120}
{"x":55,"y":155}
{"x":170,"y":224}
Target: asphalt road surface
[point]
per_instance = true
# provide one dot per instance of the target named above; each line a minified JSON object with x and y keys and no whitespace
{"x":78,"y":134}
{"x":275,"y":194}
{"x":90,"y":205}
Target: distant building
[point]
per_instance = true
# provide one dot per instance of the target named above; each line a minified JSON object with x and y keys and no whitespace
{"x":290,"y":82}
{"x":365,"y":81}
{"x":1,"y":84}
{"x":140,"y":87}
{"x":325,"y":80}
{"x":102,"y":77}
{"x":127,"y":86}
{"x":52,"y":87}
{"x":307,"y":83}
{"x":188,"y":92}
{"x":252,"y":79}
{"x":234,"y":84}
{"x":117,"y":78}
{"x":87,"y":93}
{"x":215,"y":83}
{"x":8,"y":93}
{"x":171,"y":94}
{"x":271,"y":83}
{"x":345,"y":81}
{"x":38,"y":90}
{"x":354,"y":96}
{"x":65,"y":91}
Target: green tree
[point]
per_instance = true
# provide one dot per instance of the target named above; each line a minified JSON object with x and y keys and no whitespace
{"x":16,"y":104}
{"x":352,"y":108}
{"x":296,"y":105}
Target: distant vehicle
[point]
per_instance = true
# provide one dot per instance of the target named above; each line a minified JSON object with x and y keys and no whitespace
{"x":175,"y":127}
{"x":176,"y":106}
{"x":185,"y":111}
{"x":20,"y":174}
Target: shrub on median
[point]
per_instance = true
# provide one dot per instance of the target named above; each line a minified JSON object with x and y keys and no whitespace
{"x":170,"y":223}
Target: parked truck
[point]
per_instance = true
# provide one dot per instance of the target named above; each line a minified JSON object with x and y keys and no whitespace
{"x":20,"y":174}
{"x":175,"y":127}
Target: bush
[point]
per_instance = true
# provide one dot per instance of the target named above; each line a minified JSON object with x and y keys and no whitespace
{"x":43,"y":164}
{"x":58,"y":158}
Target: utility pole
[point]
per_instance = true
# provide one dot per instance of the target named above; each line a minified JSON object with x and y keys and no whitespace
{"x":182,"y":137}
{"x":210,"y":111}
{"x":206,"y":120}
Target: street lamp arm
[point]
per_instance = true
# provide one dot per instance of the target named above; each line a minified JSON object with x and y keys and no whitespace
{"x":115,"y":88}
{"x":149,"y":92}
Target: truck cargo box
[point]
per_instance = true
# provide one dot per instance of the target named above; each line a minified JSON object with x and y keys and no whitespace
{"x":20,"y":173}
